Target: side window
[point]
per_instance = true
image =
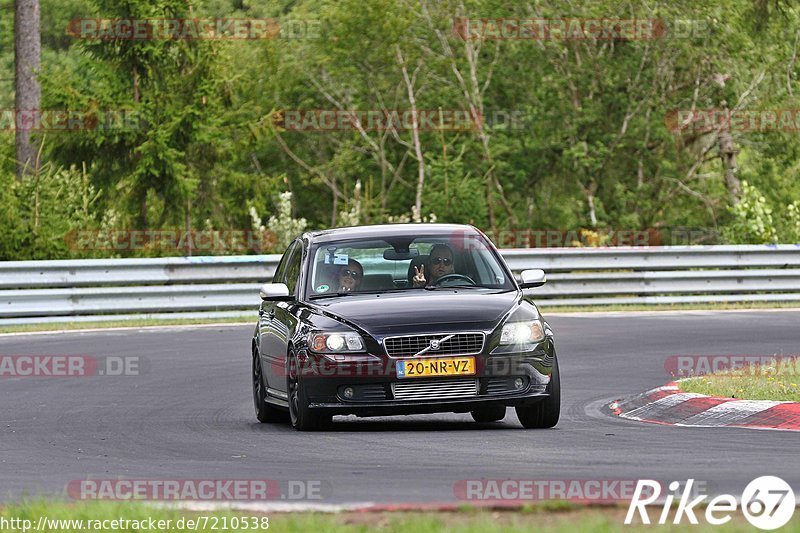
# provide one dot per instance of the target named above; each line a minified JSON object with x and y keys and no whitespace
{"x":487,"y":273}
{"x":281,"y":270}
{"x":293,"y":268}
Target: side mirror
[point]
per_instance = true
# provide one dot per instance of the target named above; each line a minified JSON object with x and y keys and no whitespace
{"x":274,"y":291}
{"x":532,"y":278}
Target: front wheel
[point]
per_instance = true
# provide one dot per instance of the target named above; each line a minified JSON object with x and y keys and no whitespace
{"x":302,"y":418}
{"x":264,"y":411}
{"x":545,"y":413}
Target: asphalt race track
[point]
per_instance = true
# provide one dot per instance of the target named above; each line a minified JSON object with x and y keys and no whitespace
{"x":189,"y":415}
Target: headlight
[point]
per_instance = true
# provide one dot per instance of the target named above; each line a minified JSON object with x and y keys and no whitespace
{"x":336,"y":342}
{"x":522,"y":332}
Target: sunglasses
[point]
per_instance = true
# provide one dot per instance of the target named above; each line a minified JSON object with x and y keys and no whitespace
{"x":446,"y":260}
{"x":352,"y":273}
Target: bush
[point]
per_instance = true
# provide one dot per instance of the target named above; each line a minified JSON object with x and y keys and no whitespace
{"x":752,"y":219}
{"x":41,"y":212}
{"x":282,"y":226}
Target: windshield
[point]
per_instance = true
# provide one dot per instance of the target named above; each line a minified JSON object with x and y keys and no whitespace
{"x":353,"y":266}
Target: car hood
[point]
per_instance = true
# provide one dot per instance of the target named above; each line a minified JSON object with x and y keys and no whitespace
{"x":444,"y":310}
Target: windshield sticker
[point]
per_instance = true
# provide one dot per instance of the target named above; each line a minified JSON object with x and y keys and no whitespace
{"x":338,"y":259}
{"x":323,"y":288}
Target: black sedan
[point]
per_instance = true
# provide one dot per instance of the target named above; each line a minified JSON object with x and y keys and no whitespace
{"x":401,"y":319}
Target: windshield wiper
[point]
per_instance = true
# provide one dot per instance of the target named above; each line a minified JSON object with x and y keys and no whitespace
{"x":437,"y":287}
{"x":332,"y":295}
{"x":352,"y":293}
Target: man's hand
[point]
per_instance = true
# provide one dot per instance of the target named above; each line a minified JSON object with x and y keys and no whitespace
{"x":419,"y":276}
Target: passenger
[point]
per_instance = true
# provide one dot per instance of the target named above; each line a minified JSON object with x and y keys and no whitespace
{"x":350,"y":276}
{"x":440,"y":263}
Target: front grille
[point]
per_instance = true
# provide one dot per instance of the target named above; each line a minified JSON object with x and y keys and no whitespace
{"x":458,"y":344}
{"x":435,"y":390}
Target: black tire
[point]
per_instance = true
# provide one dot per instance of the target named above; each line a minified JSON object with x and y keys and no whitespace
{"x":545,"y":413}
{"x":490,"y":413}
{"x":265,"y":412}
{"x":301,"y":417}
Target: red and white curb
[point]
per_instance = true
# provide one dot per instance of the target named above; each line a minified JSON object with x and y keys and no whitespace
{"x":669,"y":405}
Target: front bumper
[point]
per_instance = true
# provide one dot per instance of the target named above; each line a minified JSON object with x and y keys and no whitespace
{"x":417,"y":407}
{"x":508,"y":379}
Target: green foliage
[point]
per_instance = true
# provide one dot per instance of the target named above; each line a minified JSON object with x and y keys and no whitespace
{"x":43,"y":214}
{"x":792,"y":232}
{"x":453,"y":193}
{"x":282,"y":226}
{"x":13,"y":231}
{"x":756,"y":221}
{"x":752,"y":219}
{"x":572,"y":130}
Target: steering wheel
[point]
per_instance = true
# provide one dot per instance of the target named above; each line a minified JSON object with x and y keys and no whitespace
{"x":454,"y":277}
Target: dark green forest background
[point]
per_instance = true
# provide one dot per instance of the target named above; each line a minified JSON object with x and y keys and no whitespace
{"x":575,"y":134}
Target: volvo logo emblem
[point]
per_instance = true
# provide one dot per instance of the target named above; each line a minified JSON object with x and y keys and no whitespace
{"x":434,"y":344}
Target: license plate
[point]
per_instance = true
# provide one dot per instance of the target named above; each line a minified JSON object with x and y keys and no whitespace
{"x":446,"y":366}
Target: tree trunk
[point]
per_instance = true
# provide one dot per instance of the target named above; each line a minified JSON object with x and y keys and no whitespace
{"x":27,"y":52}
{"x":335,"y":203}
{"x":187,"y":225}
{"x":592,"y":212}
{"x":414,"y":135}
{"x":135,"y":85}
{"x":142,"y":223}
{"x":727,"y":153}
{"x":590,"y":191}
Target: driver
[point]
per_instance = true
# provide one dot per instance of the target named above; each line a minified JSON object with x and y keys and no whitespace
{"x":440,"y":263}
{"x":350,"y":276}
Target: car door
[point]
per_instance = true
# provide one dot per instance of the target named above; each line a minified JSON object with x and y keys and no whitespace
{"x":269,"y":333}
{"x":278,"y":321}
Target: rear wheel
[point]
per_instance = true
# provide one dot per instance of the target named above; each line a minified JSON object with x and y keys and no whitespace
{"x":543,"y":414}
{"x":302,"y":418}
{"x":264,"y":411}
{"x":490,"y":413}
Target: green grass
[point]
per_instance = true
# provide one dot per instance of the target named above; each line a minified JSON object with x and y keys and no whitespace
{"x":545,"y":516}
{"x":779,"y":381}
{"x":137,"y":323}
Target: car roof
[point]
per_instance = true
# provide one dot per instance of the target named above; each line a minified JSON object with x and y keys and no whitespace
{"x":388,"y":230}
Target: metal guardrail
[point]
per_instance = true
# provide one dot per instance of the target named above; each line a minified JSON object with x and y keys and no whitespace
{"x":654,"y":258}
{"x":41,"y":291}
{"x":134,"y":272}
